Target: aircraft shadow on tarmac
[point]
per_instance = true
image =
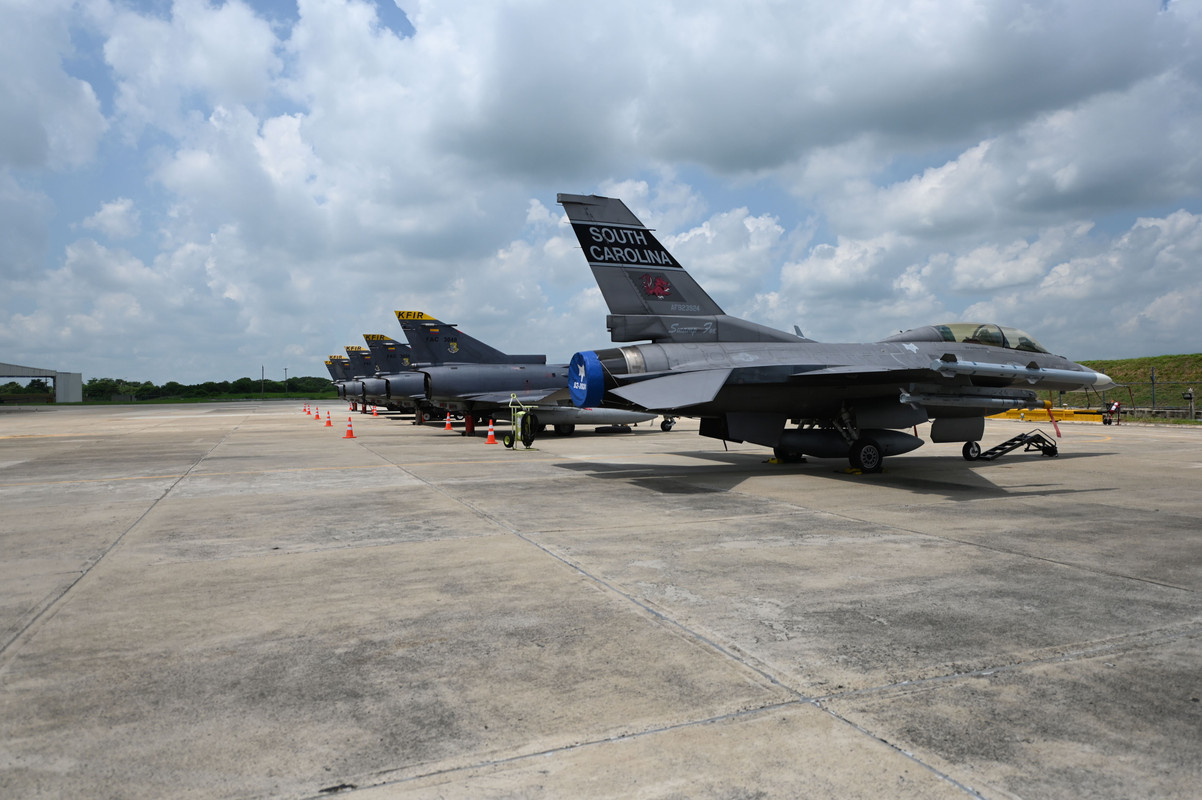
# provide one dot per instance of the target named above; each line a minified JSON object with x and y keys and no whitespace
{"x":951,"y":479}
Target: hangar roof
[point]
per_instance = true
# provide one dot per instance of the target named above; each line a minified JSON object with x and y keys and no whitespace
{"x":17,"y":371}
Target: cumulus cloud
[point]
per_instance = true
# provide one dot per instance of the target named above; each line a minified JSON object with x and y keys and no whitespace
{"x":116,"y":220}
{"x":48,"y":117}
{"x":201,"y":56}
{"x":279,"y":182}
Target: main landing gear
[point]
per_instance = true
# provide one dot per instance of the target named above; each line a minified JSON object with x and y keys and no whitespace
{"x":866,"y":456}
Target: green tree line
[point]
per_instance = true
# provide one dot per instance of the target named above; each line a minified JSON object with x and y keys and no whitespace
{"x":103,"y":389}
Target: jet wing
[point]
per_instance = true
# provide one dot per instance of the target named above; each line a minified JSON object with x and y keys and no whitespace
{"x":525,"y":396}
{"x":678,"y":390}
{"x":861,"y":373}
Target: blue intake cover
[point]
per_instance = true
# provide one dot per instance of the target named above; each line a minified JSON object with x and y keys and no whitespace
{"x":586,"y":379}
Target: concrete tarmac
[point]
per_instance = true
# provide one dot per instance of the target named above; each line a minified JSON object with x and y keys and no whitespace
{"x":233,"y":601}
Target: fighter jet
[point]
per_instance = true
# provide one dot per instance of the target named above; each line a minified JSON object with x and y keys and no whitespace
{"x":747,"y":382}
{"x":361,"y":363}
{"x":340,"y":374}
{"x":388,"y":355}
{"x":464,"y":375}
{"x":395,"y":384}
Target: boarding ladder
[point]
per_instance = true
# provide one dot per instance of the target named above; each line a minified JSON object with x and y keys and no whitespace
{"x":1035,"y":440}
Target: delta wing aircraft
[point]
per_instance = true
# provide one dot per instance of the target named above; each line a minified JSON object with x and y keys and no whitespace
{"x":340,"y":373}
{"x":389,"y":355}
{"x":464,"y":375}
{"x":748,"y":382}
{"x":395,"y":385}
{"x":361,"y":363}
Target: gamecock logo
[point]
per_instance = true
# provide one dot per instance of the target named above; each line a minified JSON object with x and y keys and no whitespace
{"x":656,"y":285}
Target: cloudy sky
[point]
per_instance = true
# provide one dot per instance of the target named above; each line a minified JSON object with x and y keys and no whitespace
{"x":194,"y":190}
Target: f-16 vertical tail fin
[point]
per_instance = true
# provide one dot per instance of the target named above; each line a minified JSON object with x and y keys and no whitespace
{"x":436,"y":342}
{"x":649,"y":294}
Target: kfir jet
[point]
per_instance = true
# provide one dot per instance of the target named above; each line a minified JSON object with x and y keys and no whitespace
{"x":388,"y":355}
{"x":340,"y":373}
{"x":362,"y":365}
{"x":356,"y":366}
{"x":394,"y":385}
{"x":748,"y":382}
{"x":464,"y":375}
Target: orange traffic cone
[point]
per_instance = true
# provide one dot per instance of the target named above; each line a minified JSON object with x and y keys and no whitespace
{"x":350,"y":432}
{"x":373,"y":412}
{"x":448,"y":427}
{"x":492,"y":436}
{"x":329,"y":423}
{"x":317,"y":413}
{"x":308,"y":413}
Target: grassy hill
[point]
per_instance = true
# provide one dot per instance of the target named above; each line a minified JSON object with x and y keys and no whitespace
{"x":1174,"y":374}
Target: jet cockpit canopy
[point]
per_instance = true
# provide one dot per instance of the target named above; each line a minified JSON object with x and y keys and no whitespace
{"x":972,"y":333}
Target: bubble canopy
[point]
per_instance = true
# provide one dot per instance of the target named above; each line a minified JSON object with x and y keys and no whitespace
{"x":972,"y":333}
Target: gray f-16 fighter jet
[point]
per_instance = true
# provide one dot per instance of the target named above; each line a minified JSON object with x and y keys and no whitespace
{"x":747,"y":382}
{"x":463,"y":374}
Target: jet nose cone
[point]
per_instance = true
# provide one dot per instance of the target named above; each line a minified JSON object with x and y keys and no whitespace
{"x":1102,"y":382}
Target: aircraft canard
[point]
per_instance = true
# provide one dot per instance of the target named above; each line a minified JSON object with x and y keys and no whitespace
{"x":746,"y":381}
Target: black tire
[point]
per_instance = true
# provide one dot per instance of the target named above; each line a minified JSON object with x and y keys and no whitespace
{"x":507,"y":440}
{"x":787,"y":456}
{"x":866,"y":456}
{"x":1052,"y":451}
{"x":666,"y":425}
{"x":565,"y":429}
{"x":971,"y":451}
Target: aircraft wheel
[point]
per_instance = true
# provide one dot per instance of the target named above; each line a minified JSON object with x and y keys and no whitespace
{"x":565,"y":429}
{"x":666,"y":425}
{"x":507,"y":440}
{"x":786,"y":456}
{"x":971,"y":451}
{"x":866,"y":456}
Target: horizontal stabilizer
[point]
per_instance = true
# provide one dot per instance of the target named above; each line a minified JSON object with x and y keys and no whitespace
{"x":678,"y":390}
